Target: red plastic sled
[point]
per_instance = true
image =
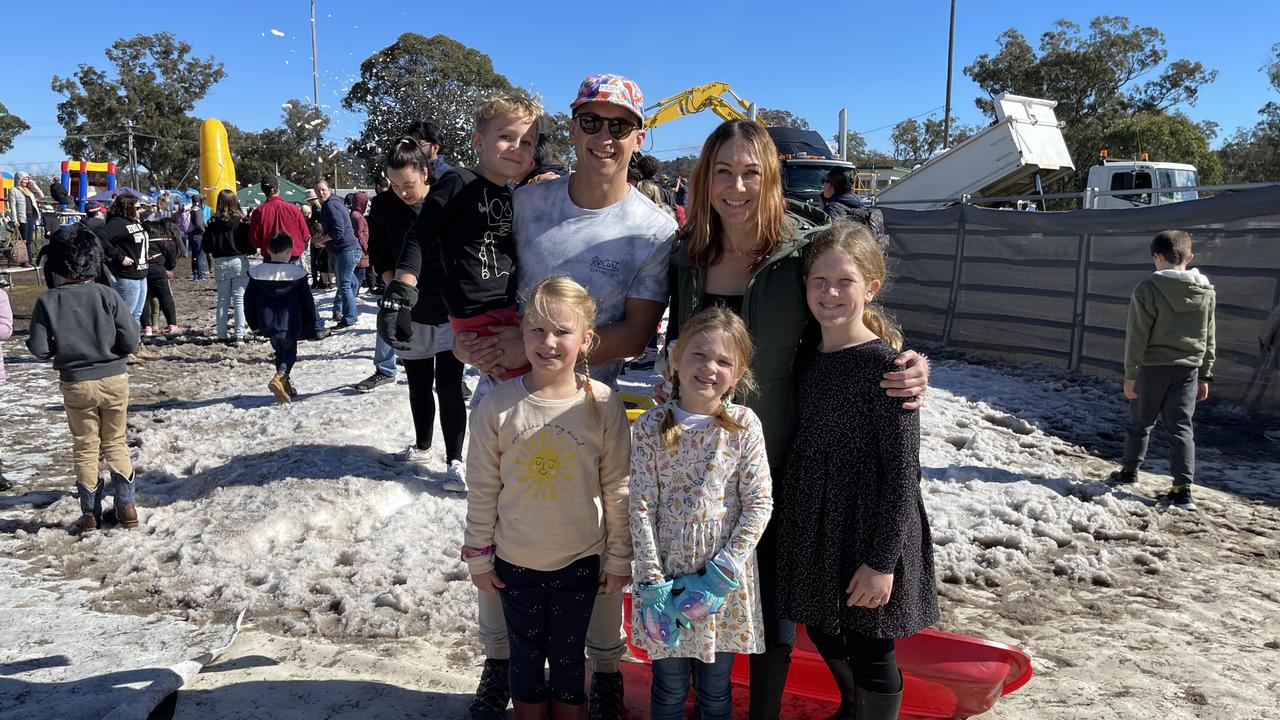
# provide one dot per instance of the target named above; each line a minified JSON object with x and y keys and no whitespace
{"x":945,"y":675}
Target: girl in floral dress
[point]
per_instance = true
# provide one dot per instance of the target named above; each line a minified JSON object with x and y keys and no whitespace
{"x":700,"y":499}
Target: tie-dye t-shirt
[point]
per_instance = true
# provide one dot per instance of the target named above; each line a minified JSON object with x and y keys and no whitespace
{"x":617,"y":252}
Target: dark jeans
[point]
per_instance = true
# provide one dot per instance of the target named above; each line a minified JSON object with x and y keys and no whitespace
{"x":710,"y":686}
{"x":547,"y":614}
{"x":286,"y":350}
{"x":158,"y":288}
{"x":445,"y":372}
{"x":1167,"y":392}
{"x":199,"y":265}
{"x":27,"y":231}
{"x":319,"y":263}
{"x":872,"y":661}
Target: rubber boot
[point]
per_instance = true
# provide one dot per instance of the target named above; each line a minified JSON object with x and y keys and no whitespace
{"x":843,"y":675}
{"x":768,"y":680}
{"x":90,"y":507}
{"x":126,"y":513}
{"x":530,"y":711}
{"x":565,"y":711}
{"x":877,"y":706}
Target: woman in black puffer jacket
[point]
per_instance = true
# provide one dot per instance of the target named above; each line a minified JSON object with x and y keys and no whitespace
{"x":226,"y":239}
{"x":163,"y":251}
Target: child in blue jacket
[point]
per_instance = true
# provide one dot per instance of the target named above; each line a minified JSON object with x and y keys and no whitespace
{"x":278,"y":304}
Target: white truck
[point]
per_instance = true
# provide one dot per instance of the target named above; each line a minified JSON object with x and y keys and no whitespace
{"x":1019,"y":155}
{"x":1140,"y":175}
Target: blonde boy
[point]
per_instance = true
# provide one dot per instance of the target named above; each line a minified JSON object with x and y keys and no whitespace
{"x":462,"y":240}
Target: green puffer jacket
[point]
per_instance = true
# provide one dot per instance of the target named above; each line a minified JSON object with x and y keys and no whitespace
{"x":777,"y":316}
{"x":1171,"y":322}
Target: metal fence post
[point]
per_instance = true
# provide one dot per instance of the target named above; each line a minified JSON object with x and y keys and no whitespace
{"x":953,"y":297}
{"x":1076,"y":350}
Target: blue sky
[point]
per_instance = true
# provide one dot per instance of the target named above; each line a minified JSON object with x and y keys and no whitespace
{"x":884,"y":61}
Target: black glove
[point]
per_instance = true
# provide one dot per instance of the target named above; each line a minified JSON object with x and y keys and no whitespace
{"x":398,"y":297}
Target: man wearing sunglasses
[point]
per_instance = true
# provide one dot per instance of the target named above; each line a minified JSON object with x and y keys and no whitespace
{"x":597,"y":229}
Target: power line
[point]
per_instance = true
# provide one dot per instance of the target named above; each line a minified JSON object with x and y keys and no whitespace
{"x":913,"y":117}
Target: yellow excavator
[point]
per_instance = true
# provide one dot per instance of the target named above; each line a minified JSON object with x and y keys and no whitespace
{"x":806,"y":157}
{"x":697,"y":99}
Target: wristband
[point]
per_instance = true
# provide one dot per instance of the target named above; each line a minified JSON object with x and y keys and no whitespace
{"x":470,"y":553}
{"x":391,"y":305}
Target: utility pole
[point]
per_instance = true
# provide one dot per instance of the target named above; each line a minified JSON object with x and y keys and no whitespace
{"x":133,"y":158}
{"x":951,"y":46}
{"x":315,"y":83}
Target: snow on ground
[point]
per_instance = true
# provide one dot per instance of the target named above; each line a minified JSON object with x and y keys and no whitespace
{"x":74,"y":663}
{"x":285,"y":511}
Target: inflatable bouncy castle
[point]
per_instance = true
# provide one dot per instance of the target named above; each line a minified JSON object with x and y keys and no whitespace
{"x":83,"y":179}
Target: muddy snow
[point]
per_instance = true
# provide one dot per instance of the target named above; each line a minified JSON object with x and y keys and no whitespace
{"x":356,"y":604}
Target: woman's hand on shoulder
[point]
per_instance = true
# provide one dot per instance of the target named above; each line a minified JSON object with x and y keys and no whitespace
{"x":912,"y":381}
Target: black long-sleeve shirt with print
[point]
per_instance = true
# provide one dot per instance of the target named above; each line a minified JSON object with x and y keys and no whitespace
{"x":466,"y":220}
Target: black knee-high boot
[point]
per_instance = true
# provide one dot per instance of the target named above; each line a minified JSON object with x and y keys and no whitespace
{"x":768,"y":680}
{"x":877,"y":706}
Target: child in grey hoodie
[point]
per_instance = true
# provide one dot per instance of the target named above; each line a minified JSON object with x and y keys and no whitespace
{"x":88,"y":333}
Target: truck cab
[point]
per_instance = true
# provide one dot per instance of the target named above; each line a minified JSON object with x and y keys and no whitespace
{"x":1139,"y":175}
{"x":802,"y":177}
{"x":806,"y":161}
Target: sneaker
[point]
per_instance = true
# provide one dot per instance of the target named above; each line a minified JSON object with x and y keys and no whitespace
{"x":493,"y":694}
{"x":368,"y":384}
{"x":646,"y":361}
{"x":322,"y":334}
{"x":1120,"y":477}
{"x":148,"y":331}
{"x":342,"y":325}
{"x":1180,"y":497}
{"x":278,"y":389}
{"x":605,"y":702}
{"x":455,"y":477}
{"x":411,"y":455}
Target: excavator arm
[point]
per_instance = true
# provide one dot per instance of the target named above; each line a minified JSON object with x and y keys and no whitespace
{"x":697,"y":99}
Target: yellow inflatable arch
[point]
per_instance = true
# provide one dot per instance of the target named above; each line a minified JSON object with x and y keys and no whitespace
{"x":217,"y":172}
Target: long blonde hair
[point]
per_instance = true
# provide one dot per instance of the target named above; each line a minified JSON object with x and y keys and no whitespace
{"x":853,"y":239}
{"x":561,"y":291}
{"x":738,"y":338}
{"x":703,"y":233}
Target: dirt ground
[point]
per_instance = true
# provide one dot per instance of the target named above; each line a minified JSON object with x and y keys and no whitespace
{"x":1200,"y":642}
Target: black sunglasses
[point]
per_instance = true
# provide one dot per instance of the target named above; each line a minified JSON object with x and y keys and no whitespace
{"x":619,"y":128}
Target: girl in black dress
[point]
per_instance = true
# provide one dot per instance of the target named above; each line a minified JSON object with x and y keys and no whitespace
{"x":855,"y":557}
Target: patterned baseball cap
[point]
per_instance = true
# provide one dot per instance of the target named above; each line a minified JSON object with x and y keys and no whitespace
{"x":611,"y":88}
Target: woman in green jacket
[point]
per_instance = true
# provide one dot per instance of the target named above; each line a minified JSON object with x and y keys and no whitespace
{"x":741,"y":248}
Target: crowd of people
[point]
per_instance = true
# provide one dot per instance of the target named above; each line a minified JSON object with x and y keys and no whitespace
{"x":776,"y":482}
